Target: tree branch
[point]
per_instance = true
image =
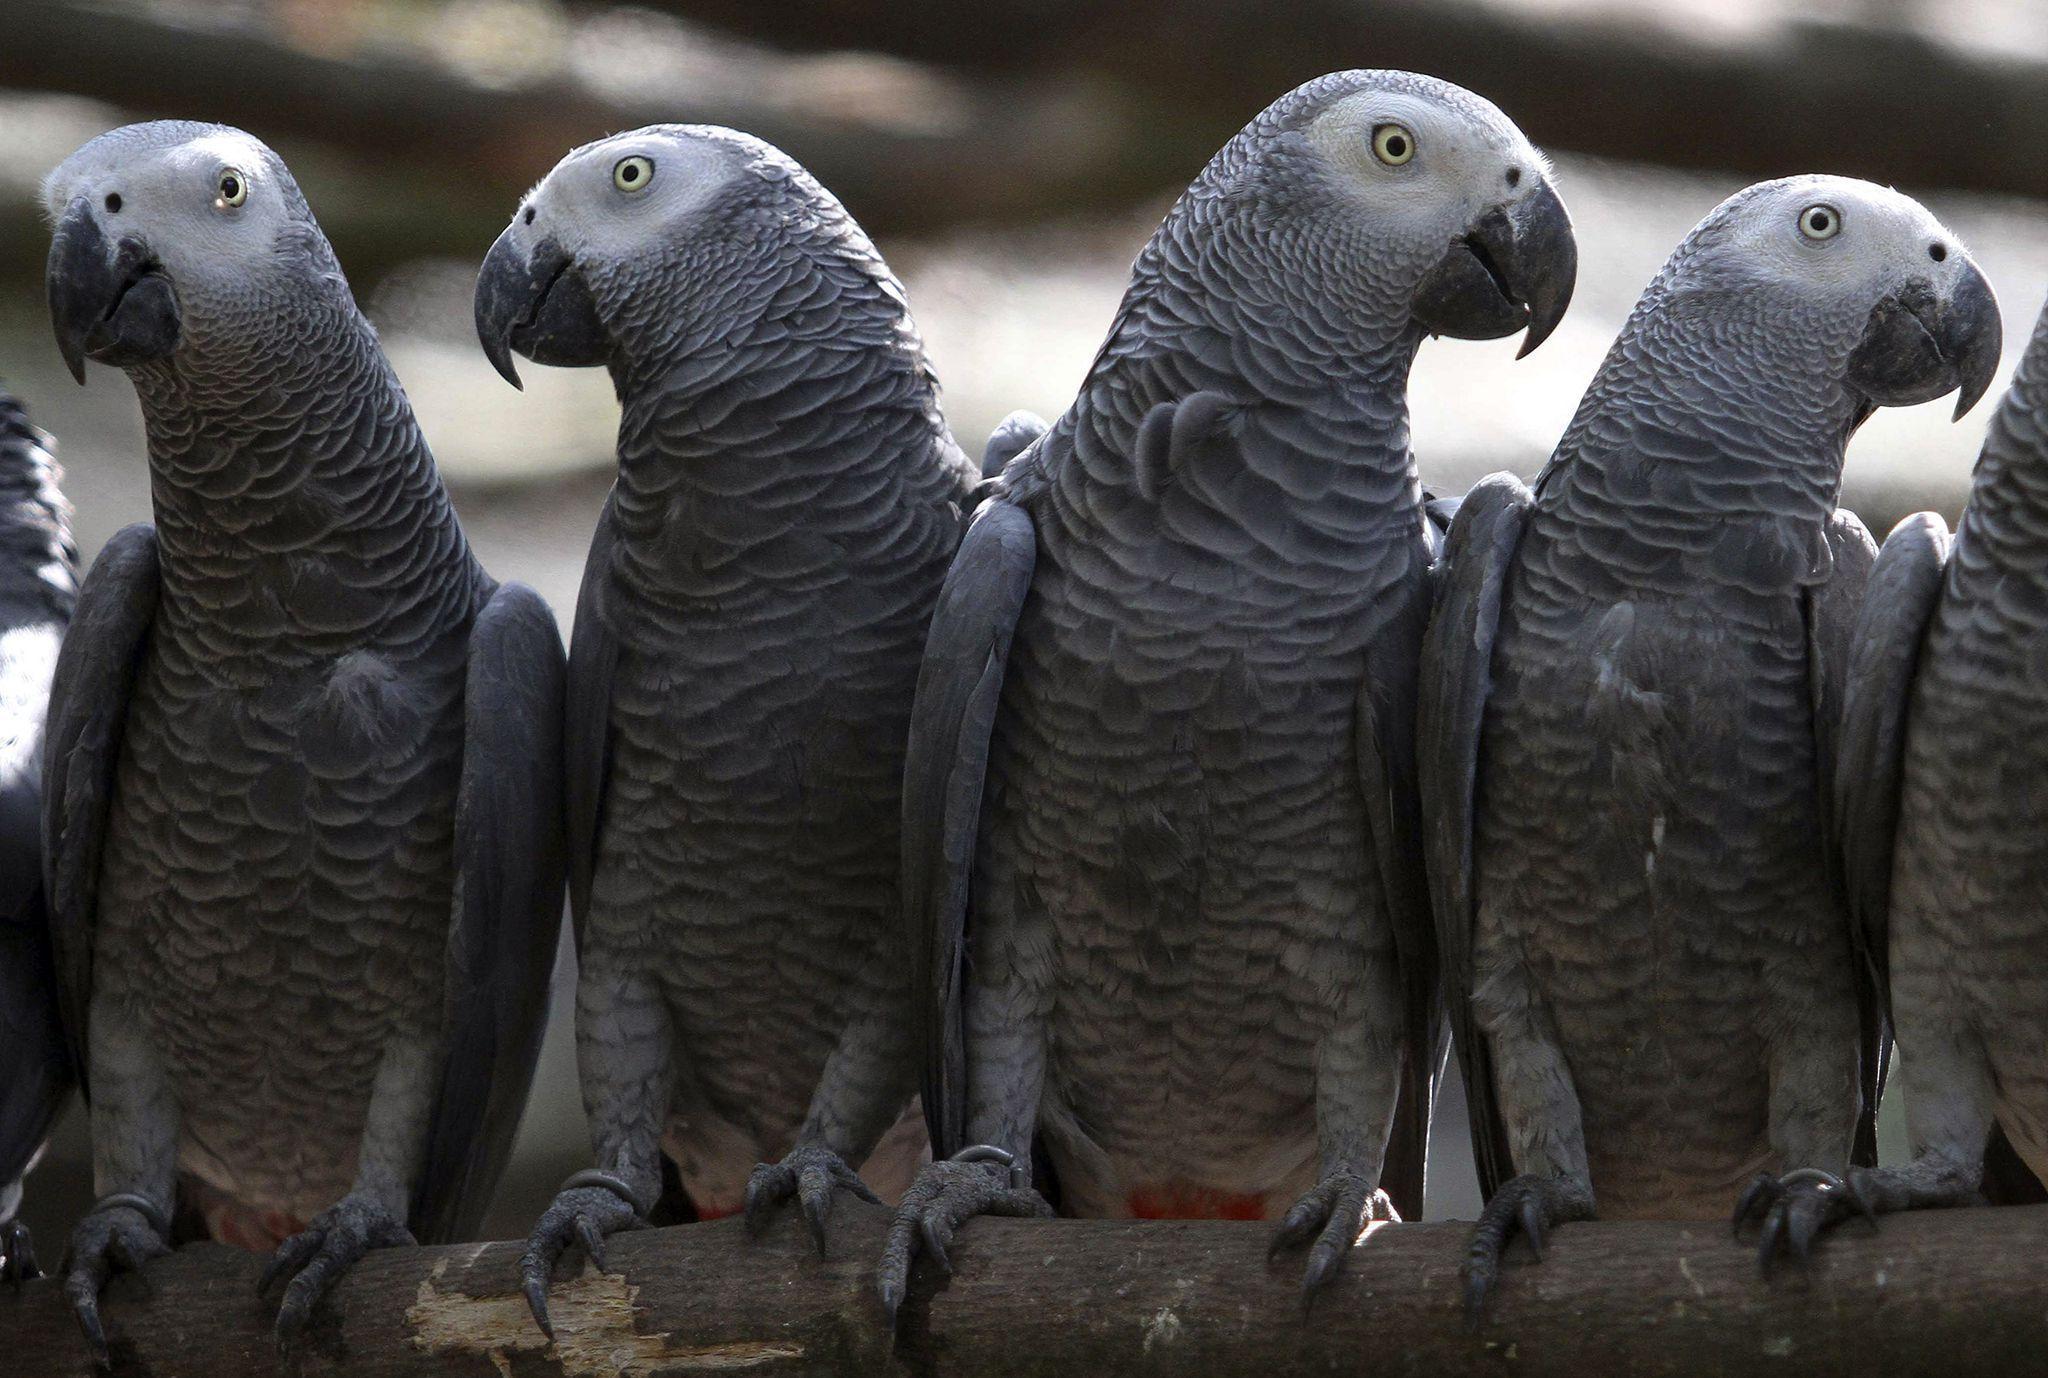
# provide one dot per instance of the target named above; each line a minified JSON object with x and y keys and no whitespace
{"x":1948,"y":1292}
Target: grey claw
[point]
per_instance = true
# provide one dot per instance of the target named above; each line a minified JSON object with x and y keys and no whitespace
{"x":1531,"y":1216}
{"x":585,"y":1214}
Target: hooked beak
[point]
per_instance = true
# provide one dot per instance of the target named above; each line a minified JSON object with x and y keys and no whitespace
{"x":109,"y":302}
{"x":1919,"y":344}
{"x":536,"y":303}
{"x":1514,"y":269}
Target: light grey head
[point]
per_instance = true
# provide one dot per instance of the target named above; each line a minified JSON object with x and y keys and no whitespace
{"x":1413,"y":195}
{"x":1844,"y":283}
{"x":660,"y":239}
{"x":173,"y":238}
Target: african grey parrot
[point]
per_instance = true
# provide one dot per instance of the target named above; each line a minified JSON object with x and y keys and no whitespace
{"x":38,"y":587}
{"x":303,"y":797}
{"x":1162,"y":851}
{"x":1629,"y":694}
{"x":1940,"y":795}
{"x":746,"y":644}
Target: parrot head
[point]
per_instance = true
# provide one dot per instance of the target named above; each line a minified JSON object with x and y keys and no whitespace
{"x":625,"y":236}
{"x":171,"y":235}
{"x":1882,"y":297}
{"x":1415,"y":198}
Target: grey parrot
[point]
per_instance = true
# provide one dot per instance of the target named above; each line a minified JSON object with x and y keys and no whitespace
{"x":1940,"y":792}
{"x":746,"y":644}
{"x":1629,"y":696}
{"x":38,"y":588}
{"x":302,"y":793}
{"x":1162,"y":852}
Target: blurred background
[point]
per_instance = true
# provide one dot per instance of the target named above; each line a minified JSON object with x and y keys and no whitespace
{"x":1010,"y":156}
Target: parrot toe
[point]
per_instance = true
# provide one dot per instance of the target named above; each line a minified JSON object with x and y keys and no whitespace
{"x":584,"y":1215}
{"x":1796,"y":1209}
{"x":1333,"y":1214}
{"x":946,"y":1195}
{"x":17,"y":1254}
{"x":812,"y":1174}
{"x":1530,"y":1203}
{"x":317,"y":1258}
{"x":111,"y":1237}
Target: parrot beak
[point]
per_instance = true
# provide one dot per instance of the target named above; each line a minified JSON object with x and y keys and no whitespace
{"x":1919,"y":344}
{"x":1514,"y":269}
{"x":536,"y":303}
{"x":110,"y":302}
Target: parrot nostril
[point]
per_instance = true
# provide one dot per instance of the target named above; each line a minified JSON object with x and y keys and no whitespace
{"x":1937,"y":251}
{"x":113,"y":203}
{"x":527,"y":217}
{"x":1514,"y":177}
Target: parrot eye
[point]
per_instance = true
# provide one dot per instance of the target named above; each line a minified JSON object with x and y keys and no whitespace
{"x":1392,"y":144}
{"x":632,"y":174}
{"x":232,"y":188}
{"x":1820,"y":222}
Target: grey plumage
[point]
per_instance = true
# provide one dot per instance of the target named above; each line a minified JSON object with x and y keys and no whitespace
{"x":1162,"y":862}
{"x":38,"y":588}
{"x":302,"y":772}
{"x":746,"y":640}
{"x":1628,"y":698}
{"x":1940,"y":795}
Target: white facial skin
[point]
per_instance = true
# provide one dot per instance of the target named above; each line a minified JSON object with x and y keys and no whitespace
{"x":1852,"y":240}
{"x":209,"y":206}
{"x":1424,"y":169}
{"x":608,"y":201}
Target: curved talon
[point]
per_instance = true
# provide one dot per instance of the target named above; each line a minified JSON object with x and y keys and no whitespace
{"x":317,"y":1257}
{"x":811,"y":1174}
{"x":1797,"y":1208}
{"x":17,"y":1254}
{"x":1334,"y":1213}
{"x":589,"y":1207}
{"x":946,"y":1195}
{"x":1531,"y":1204}
{"x":1761,"y":1193}
{"x":120,"y":1231}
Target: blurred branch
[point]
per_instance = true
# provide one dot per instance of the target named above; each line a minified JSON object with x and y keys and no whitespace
{"x":1882,"y":103}
{"x":432,"y":158}
{"x":1949,"y":1292}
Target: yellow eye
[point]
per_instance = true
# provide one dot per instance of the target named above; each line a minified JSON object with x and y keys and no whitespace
{"x":1820,"y":222}
{"x":232,"y":188}
{"x":632,"y":174}
{"x":1392,"y":144}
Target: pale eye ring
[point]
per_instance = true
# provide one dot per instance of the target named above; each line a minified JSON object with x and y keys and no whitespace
{"x":1820,"y":222}
{"x":633,"y":173}
{"x":1392,"y":144}
{"x":231,"y":188}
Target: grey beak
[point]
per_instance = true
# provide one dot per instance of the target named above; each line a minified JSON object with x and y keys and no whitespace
{"x":1514,"y":269}
{"x":1919,"y":344}
{"x":504,"y":293}
{"x":107,"y":301}
{"x":1540,"y":261}
{"x":534,"y":302}
{"x":1972,"y":337}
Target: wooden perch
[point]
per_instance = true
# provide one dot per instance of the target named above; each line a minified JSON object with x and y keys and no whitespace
{"x":1948,"y":1292}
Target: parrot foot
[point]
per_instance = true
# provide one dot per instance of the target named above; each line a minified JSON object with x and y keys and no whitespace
{"x":945,"y":1196}
{"x":315,"y":1259}
{"x":1529,"y":1202}
{"x":584,"y":1214}
{"x":17,"y":1254}
{"x":1333,"y":1214}
{"x":811,"y":1174}
{"x":1796,"y":1208}
{"x":122,"y":1231}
